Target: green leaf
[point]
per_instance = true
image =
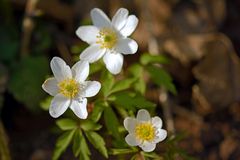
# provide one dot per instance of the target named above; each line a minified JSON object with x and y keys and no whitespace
{"x":62,"y":142}
{"x":76,"y":142}
{"x":117,"y":151}
{"x":66,"y":124}
{"x":95,"y":67}
{"x":131,"y":101}
{"x":97,"y":111}
{"x":45,"y":104}
{"x":26,"y":81}
{"x":107,"y":81}
{"x":147,"y":58}
{"x":89,"y":125}
{"x":121,"y":85}
{"x":84,"y":150}
{"x":111,"y":122}
{"x":138,"y":73}
{"x":98,"y":142}
{"x":161,"y":78}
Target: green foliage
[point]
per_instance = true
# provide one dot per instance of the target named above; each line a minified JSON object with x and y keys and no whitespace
{"x":26,"y":80}
{"x":62,"y":142}
{"x":99,"y":106}
{"x":107,"y":81}
{"x":88,"y":125}
{"x":117,"y":151}
{"x":131,"y":101}
{"x":161,"y":78}
{"x":121,"y":85}
{"x":98,"y":142}
{"x":111,"y":122}
{"x":66,"y":124}
{"x":147,"y":58}
{"x":46,"y":103}
{"x":138,"y":73}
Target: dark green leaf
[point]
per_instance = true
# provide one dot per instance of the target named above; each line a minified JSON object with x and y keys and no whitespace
{"x":147,"y":58}
{"x":26,"y":81}
{"x":131,"y":101}
{"x":111,"y":122}
{"x":62,"y":143}
{"x":161,"y":78}
{"x":98,"y":142}
{"x":89,"y":125}
{"x":76,"y":142}
{"x":66,"y":124}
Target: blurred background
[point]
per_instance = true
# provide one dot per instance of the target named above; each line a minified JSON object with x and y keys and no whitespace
{"x":200,"y":37}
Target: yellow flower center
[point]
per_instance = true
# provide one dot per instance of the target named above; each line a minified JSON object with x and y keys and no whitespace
{"x":107,"y":38}
{"x":69,"y":88}
{"x":145,"y":131}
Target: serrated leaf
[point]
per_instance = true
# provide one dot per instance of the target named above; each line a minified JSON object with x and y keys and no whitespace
{"x":89,"y":125}
{"x":98,"y":142}
{"x":147,"y":58}
{"x":62,"y":142}
{"x":66,"y":124}
{"x":161,"y":78}
{"x":97,"y":111}
{"x":84,"y":150}
{"x":107,"y":81}
{"x":26,"y":80}
{"x":111,"y":122}
{"x":121,"y":85}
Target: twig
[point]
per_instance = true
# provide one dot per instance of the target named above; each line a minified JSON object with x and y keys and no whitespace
{"x":27,"y":26}
{"x":4,"y":150}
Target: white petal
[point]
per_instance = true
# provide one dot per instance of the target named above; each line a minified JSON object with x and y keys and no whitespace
{"x":157,"y":122}
{"x":99,"y":18}
{"x":88,"y":33}
{"x":143,"y":115}
{"x":131,"y":140}
{"x":91,"y":88}
{"x":60,"y":69}
{"x":59,"y":105}
{"x":120,"y":18}
{"x":161,"y":135}
{"x":80,"y":71}
{"x":80,"y":108}
{"x":50,"y":86}
{"x":130,"y":124}
{"x":114,"y":62}
{"x":126,"y":46}
{"x":92,"y":53}
{"x":148,"y":147}
{"x":130,"y":26}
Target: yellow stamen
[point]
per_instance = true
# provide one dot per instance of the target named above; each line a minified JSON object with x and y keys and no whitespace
{"x":145,"y":131}
{"x":69,"y":88}
{"x":107,"y":38}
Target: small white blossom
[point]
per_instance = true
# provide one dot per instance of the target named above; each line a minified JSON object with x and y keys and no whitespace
{"x":108,"y":39}
{"x":69,"y":88}
{"x":144,"y":131}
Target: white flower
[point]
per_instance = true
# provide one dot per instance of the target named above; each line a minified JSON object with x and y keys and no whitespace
{"x":108,"y":39}
{"x":69,"y":88}
{"x":144,"y":131}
